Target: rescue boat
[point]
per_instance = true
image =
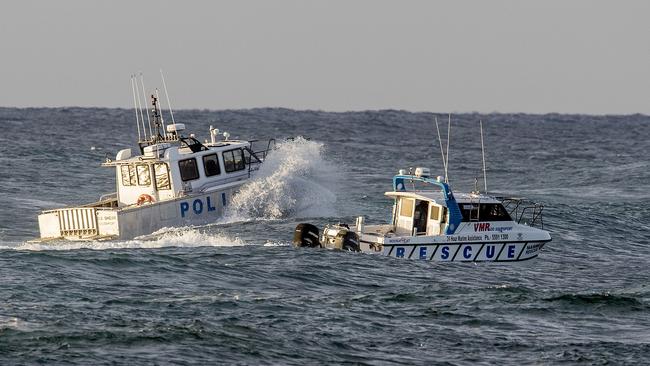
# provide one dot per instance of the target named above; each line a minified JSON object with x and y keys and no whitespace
{"x":175,"y":180}
{"x":430,"y":222}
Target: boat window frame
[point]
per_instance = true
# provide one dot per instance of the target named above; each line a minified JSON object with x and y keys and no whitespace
{"x":147,"y":169}
{"x":205,"y":168}
{"x":156,"y":175}
{"x":131,"y":175}
{"x":236,"y":166}
{"x":434,"y":208}
{"x":196,"y":170}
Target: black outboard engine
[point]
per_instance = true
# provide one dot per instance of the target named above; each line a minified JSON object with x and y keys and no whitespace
{"x":306,"y":235}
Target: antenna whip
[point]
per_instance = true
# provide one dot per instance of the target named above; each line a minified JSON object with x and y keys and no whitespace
{"x":483,"y":153}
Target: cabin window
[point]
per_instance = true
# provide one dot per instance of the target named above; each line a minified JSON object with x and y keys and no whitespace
{"x":406,"y":208}
{"x":161,"y":173}
{"x":494,"y":212}
{"x":211,"y":165}
{"x":233,"y":160}
{"x":484,"y":212}
{"x":435,"y":213}
{"x":144,"y":176}
{"x":469,"y":211}
{"x":128,"y":175}
{"x":189,"y":170}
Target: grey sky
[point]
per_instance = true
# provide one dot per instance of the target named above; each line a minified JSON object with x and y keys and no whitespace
{"x":508,"y":56}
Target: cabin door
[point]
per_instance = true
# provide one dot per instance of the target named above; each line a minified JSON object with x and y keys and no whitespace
{"x":404,"y":220}
{"x":420,"y":217}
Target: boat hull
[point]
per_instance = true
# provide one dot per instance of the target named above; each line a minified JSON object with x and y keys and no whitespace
{"x":99,"y":223}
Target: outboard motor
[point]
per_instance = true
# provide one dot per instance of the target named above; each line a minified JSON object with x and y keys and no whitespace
{"x":306,"y":235}
{"x":340,"y":237}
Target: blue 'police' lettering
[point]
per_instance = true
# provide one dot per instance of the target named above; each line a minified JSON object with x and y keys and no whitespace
{"x":511,"y":251}
{"x":467,"y":252}
{"x":489,"y":251}
{"x":197,"y":206}
{"x":400,"y":253}
{"x":445,"y":253}
{"x":209,"y":204}
{"x":184,"y":208}
{"x":423,"y":252}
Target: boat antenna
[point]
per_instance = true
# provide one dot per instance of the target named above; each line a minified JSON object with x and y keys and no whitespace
{"x":140,"y":106}
{"x":483,"y":153}
{"x":144,"y":96}
{"x":135,"y":108}
{"x":447,"y":155}
{"x":162,"y":120}
{"x":167,"y":95}
{"x":442,"y":151}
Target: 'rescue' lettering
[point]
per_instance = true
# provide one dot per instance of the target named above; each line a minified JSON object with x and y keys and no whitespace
{"x":467,"y":252}
{"x":445,"y":252}
{"x":489,"y":251}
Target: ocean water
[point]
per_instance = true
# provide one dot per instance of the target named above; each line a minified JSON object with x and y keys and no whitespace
{"x":237,"y":292}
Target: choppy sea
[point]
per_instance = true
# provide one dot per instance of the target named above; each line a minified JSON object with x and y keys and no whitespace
{"x":237,"y":292}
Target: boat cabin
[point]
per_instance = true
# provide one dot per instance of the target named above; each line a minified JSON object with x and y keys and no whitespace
{"x":426,"y":212}
{"x":427,"y":206}
{"x":180,"y":166}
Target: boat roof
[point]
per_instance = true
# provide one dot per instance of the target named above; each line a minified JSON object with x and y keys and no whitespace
{"x":212,"y":147}
{"x":437,"y":197}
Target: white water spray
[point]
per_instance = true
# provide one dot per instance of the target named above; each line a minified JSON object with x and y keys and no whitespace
{"x":294,"y":181}
{"x":176,"y":237}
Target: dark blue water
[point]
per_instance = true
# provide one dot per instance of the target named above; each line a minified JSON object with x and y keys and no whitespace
{"x":236,"y":292}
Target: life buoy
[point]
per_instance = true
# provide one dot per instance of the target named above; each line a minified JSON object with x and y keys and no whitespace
{"x":144,"y":198}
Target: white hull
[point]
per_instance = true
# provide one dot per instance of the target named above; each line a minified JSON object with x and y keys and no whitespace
{"x":98,"y":223}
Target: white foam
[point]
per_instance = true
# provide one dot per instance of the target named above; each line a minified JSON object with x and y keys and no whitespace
{"x":182,"y":237}
{"x":294,"y":181}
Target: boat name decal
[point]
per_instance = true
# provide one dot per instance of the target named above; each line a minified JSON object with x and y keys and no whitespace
{"x":399,"y":241}
{"x":485,"y":226}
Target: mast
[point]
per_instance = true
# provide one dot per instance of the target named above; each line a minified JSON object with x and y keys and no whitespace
{"x":157,"y":121}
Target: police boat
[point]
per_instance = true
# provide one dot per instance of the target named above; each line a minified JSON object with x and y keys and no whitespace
{"x":175,"y":180}
{"x":430,"y":222}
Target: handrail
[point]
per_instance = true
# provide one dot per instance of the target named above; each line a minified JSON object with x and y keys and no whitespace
{"x":520,"y":209}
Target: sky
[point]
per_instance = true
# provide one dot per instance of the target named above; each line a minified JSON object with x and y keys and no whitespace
{"x":561,"y":56}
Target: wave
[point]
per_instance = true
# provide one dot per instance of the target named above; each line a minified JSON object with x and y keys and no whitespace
{"x":176,"y":237}
{"x":294,"y":181}
{"x":599,"y":300}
